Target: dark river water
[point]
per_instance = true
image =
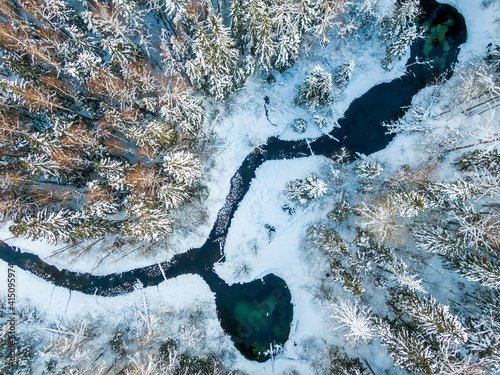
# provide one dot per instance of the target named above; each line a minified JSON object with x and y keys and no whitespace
{"x":259,"y":313}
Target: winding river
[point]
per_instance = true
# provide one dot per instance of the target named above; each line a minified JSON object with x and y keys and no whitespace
{"x":259,"y":313}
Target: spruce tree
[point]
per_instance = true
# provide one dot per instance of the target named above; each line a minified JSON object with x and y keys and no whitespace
{"x":408,"y":350}
{"x":479,"y":267}
{"x":399,"y":30}
{"x":215,"y":67}
{"x":304,"y":190}
{"x":344,"y":73}
{"x":433,"y":318}
{"x":316,"y":89}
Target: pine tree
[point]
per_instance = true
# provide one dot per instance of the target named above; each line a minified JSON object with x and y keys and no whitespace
{"x":432,"y":317}
{"x":478,"y":229}
{"x":365,"y":12}
{"x":148,"y":220}
{"x":480,"y":159}
{"x":113,"y":171}
{"x":401,"y":275}
{"x":316,"y":89}
{"x":265,"y":49}
{"x":51,"y":226}
{"x":180,"y":107}
{"x":327,"y":240}
{"x":399,"y":30}
{"x":328,"y":12}
{"x":173,"y":195}
{"x":183,"y":166}
{"x":303,"y":190}
{"x":438,"y":240}
{"x":287,"y":49}
{"x":340,"y":211}
{"x":374,"y":249}
{"x":237,"y":16}
{"x":479,"y":267}
{"x":154,"y":133}
{"x":350,"y":282}
{"x":368,"y":170}
{"x":409,"y":351}
{"x":305,"y":17}
{"x":357,"y":319}
{"x":254,"y":12}
{"x":40,"y":165}
{"x":344,"y":73}
{"x":215,"y":67}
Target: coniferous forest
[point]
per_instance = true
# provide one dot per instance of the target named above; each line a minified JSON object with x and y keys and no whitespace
{"x":122,"y":127}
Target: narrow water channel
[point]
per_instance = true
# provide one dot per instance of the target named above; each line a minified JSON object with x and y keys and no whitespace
{"x":259,"y":313}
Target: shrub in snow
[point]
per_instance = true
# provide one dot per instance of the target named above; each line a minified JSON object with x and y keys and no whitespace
{"x":299,"y":125}
{"x":320,"y":122}
{"x":316,"y":89}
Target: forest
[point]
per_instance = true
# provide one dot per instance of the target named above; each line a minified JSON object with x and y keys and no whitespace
{"x":113,"y":119}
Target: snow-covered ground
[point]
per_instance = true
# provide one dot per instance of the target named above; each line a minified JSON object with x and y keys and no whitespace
{"x":251,"y":251}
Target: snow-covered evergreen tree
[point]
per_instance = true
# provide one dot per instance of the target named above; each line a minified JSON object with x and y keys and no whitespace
{"x":479,"y":267}
{"x":327,"y":240}
{"x":369,"y":170}
{"x":154,"y":133}
{"x":328,"y":12}
{"x":408,"y":350}
{"x":303,"y":190}
{"x":113,"y":171}
{"x":287,"y":49}
{"x":354,"y":317}
{"x":316,"y":89}
{"x":183,"y":166}
{"x":340,"y":211}
{"x":438,"y":240}
{"x":265,"y":50}
{"x":180,"y":107}
{"x":480,"y":159}
{"x":344,"y":73}
{"x":401,"y":275}
{"x":399,"y":30}
{"x":147,"y":219}
{"x":433,"y":318}
{"x":173,"y":195}
{"x":215,"y":67}
{"x":52,"y":226}
{"x":40,"y":165}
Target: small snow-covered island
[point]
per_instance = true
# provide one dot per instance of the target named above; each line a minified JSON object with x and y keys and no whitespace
{"x":250,"y":187}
